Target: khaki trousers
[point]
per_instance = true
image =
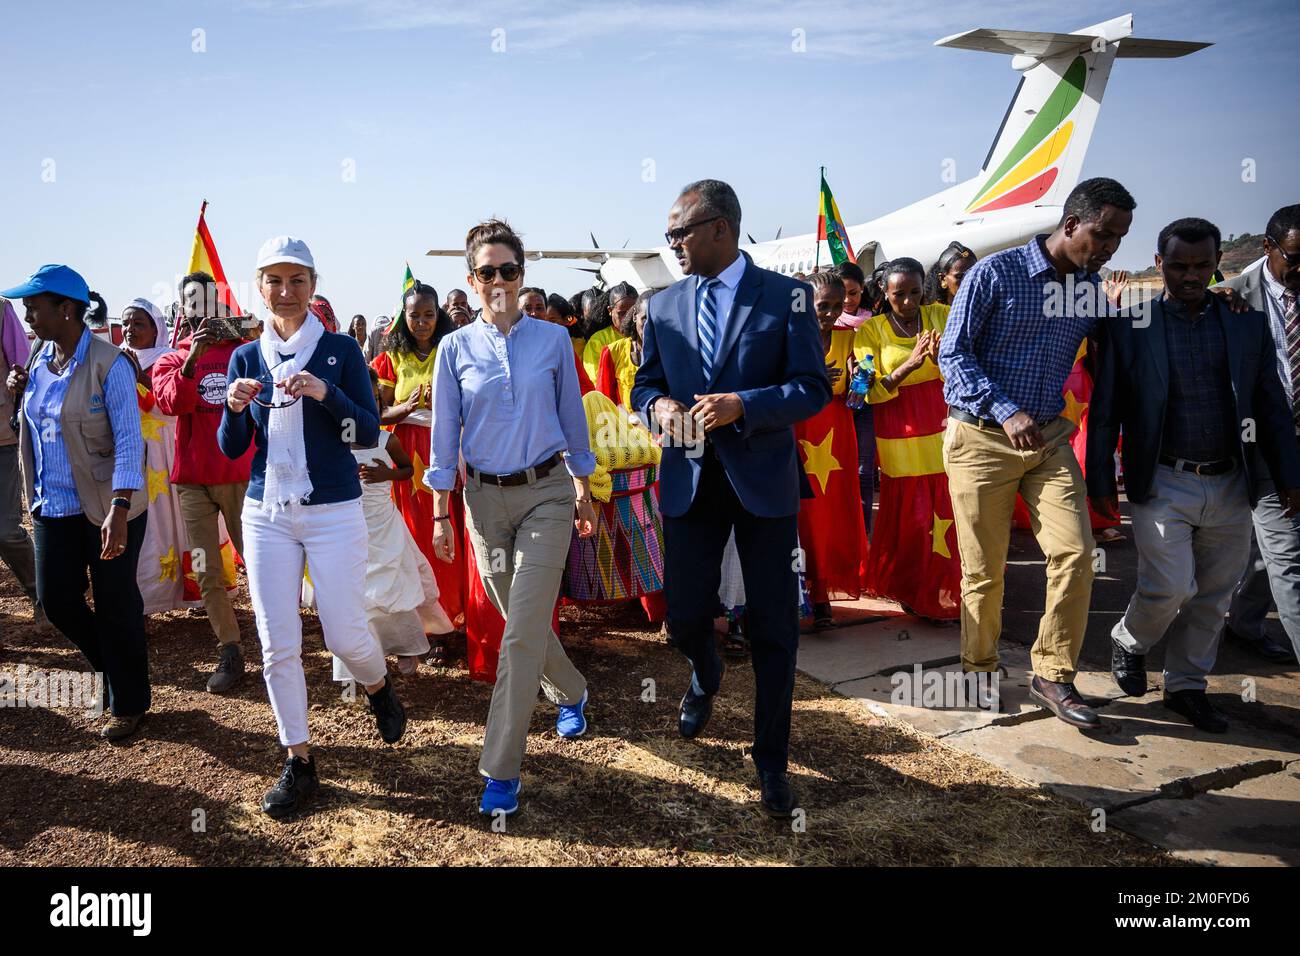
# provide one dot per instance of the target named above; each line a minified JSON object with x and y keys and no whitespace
{"x":985,"y":473}
{"x":200,"y":505}
{"x":521,"y":540}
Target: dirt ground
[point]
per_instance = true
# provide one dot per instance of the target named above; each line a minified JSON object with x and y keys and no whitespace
{"x":630,"y":792}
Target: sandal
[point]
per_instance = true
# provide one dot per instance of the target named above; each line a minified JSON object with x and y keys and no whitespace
{"x":822,"y":616}
{"x":1112,"y":536}
{"x":408,"y":665}
{"x":439,"y":651}
{"x":734,"y":642}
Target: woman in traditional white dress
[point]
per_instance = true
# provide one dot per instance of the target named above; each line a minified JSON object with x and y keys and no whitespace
{"x":166,"y":579}
{"x":401,"y":602}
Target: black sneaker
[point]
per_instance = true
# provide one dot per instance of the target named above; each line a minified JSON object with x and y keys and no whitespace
{"x":297,"y":782}
{"x":230,"y":669}
{"x":390,"y":715}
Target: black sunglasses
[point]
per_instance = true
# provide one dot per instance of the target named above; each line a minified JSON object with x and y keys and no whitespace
{"x":674,"y":236}
{"x":267,"y":382}
{"x":1290,"y":258}
{"x":509,"y":272}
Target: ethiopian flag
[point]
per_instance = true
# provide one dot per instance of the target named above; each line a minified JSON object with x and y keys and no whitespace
{"x":399,"y":314}
{"x":830,"y":227}
{"x":204,"y":258}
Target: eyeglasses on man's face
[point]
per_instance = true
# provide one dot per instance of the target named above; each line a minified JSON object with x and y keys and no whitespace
{"x":676,"y":236}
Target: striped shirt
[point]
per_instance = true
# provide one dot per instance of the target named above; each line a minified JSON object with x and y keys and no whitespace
{"x":1013,"y":334}
{"x":53,"y":483}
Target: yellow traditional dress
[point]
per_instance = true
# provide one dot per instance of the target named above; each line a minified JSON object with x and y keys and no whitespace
{"x":404,"y":372}
{"x":913,"y":557}
{"x":594,"y":346}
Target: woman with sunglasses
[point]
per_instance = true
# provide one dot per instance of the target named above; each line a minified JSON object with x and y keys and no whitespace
{"x":505,"y":396}
{"x":302,"y":396}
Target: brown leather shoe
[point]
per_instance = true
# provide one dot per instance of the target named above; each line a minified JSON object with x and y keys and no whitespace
{"x":1064,"y":701}
{"x":119,"y":728}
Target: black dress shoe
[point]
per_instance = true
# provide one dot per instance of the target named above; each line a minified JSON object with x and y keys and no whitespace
{"x":1129,"y":670}
{"x":777,"y":796}
{"x":298,"y":781}
{"x":1196,"y":707}
{"x":390,"y":715}
{"x":1262,"y":646}
{"x":1064,"y":701}
{"x":694,"y":714}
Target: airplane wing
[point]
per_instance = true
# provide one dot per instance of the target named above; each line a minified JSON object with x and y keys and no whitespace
{"x":591,"y":255}
{"x":1042,"y":45}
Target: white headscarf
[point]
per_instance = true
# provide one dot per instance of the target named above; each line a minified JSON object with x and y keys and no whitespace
{"x":287,"y":478}
{"x":146,"y":357}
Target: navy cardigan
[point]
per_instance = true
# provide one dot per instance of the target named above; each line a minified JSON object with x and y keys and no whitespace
{"x":339,"y":363}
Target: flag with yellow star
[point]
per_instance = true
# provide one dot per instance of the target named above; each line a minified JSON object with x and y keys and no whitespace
{"x":914,"y":558}
{"x":832,"y":534}
{"x":1078,"y":396}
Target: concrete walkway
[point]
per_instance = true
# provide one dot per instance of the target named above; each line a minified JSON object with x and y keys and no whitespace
{"x":1231,"y":798}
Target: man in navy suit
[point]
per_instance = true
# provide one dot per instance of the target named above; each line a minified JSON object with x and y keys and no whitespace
{"x":732,"y":358}
{"x":1195,"y":391}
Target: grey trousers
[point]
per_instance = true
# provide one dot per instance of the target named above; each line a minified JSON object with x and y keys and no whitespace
{"x":15,"y":544}
{"x":1273,"y":574}
{"x":1193,"y":539}
{"x":521,"y":540}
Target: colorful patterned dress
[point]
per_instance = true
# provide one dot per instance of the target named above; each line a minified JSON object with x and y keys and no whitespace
{"x":913,"y":557}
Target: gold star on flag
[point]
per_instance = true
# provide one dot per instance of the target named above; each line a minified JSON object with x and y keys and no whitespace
{"x":156,"y":482}
{"x":1073,"y":408}
{"x":168,"y":563}
{"x":417,"y":479}
{"x":939,"y":536}
{"x":818,"y":460}
{"x":151,"y":427}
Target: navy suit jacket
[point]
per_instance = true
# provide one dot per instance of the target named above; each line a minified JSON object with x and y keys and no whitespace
{"x":1132,"y":392}
{"x":770,"y":355}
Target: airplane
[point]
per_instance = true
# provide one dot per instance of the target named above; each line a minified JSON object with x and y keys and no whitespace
{"x":1019,"y":191}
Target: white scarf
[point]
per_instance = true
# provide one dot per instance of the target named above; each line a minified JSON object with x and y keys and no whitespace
{"x":146,"y":357}
{"x":287,"y":478}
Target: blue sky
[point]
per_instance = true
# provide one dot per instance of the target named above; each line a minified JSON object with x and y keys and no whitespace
{"x":135,"y":128}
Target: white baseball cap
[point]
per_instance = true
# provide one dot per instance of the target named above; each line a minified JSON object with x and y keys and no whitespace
{"x":285,"y":249}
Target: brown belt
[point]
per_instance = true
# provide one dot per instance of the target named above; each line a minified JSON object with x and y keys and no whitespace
{"x":527,"y":476}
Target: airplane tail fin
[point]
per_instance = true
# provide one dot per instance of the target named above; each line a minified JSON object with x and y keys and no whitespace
{"x":1038,"y":152}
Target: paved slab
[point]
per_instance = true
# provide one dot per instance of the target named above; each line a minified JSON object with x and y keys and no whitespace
{"x":898,"y":696}
{"x":1140,"y":749}
{"x":863,"y":650}
{"x":1256,"y":823}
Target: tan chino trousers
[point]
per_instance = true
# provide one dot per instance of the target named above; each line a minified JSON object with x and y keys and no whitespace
{"x":200,"y":506}
{"x":521,"y":540}
{"x":985,"y":473}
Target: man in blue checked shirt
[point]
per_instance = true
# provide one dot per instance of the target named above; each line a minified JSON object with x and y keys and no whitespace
{"x":1011,"y":340}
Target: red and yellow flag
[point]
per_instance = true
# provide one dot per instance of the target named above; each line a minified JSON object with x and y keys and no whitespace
{"x":204,"y":258}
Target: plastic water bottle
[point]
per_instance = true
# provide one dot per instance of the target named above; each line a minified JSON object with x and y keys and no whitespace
{"x":861,"y":383}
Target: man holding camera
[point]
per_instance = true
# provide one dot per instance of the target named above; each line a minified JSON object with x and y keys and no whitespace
{"x":190,"y":383}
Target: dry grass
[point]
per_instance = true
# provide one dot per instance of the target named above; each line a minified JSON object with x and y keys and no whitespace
{"x":630,"y":792}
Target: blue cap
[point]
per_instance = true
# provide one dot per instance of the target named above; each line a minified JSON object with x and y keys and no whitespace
{"x":52,"y":278}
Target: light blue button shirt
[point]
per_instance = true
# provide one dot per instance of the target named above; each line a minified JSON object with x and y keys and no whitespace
{"x":506,"y":402}
{"x":54,"y":487}
{"x":724,"y":295}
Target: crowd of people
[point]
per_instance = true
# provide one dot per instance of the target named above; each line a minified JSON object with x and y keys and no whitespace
{"x":457,"y":474}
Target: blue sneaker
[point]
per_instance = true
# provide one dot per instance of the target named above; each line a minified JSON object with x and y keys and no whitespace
{"x":500,"y":795}
{"x":571,"y":722}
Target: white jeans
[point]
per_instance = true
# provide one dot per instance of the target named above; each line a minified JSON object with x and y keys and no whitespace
{"x":332,"y":540}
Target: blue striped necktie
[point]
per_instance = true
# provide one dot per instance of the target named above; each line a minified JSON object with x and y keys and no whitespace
{"x":708,"y":327}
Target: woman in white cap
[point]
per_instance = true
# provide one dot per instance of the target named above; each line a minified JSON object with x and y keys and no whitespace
{"x":303,"y":397}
